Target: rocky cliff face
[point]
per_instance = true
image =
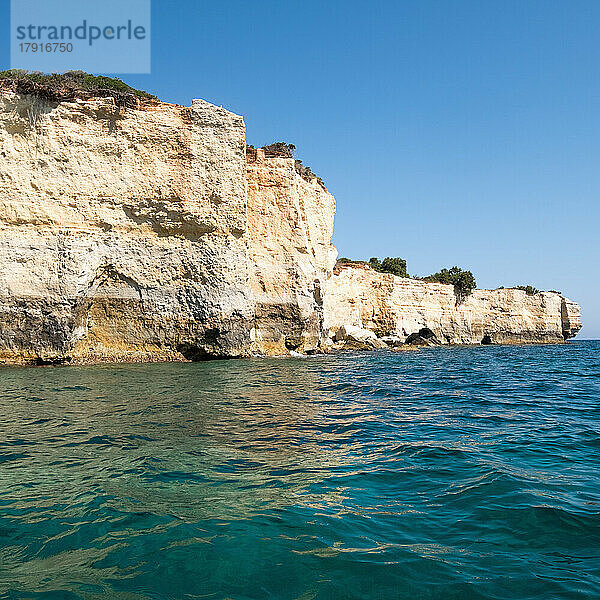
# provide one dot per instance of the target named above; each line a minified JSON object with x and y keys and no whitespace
{"x":290,"y":223}
{"x":394,"y":306}
{"x":122,"y":231}
{"x":148,"y":234}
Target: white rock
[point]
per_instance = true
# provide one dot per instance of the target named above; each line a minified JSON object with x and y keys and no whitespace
{"x":400,"y":306}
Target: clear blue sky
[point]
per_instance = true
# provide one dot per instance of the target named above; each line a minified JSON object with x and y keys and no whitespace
{"x":450,"y":132}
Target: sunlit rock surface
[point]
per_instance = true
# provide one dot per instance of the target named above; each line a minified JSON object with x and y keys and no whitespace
{"x":148,"y":233}
{"x":290,"y":223}
{"x":122,"y":231}
{"x":397,"y":306}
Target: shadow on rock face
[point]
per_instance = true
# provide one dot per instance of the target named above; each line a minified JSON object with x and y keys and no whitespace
{"x":195,"y":353}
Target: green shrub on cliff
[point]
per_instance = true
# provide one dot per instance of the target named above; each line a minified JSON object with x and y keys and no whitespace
{"x":463,"y":281}
{"x":70,"y":85}
{"x":285,"y":150}
{"x":395,"y":266}
{"x":279,"y":149}
{"x":528,"y":289}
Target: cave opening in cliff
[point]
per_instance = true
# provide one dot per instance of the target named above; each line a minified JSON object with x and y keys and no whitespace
{"x":195,"y":353}
{"x":486,"y":340}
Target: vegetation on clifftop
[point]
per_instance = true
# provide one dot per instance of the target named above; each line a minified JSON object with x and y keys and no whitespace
{"x":342,"y":260}
{"x":528,"y":289}
{"x":285,"y":150}
{"x":395,"y":266}
{"x":59,"y":87}
{"x":463,"y":281}
{"x":279,"y":149}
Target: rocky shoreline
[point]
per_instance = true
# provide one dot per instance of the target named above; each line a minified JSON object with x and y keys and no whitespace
{"x":135,"y":234}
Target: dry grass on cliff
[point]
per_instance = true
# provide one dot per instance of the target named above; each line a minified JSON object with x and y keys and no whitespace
{"x":71,"y":85}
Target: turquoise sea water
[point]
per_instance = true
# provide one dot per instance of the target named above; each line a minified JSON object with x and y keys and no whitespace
{"x":450,"y":473}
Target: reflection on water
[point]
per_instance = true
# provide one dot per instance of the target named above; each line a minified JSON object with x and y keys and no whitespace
{"x":470,"y":472}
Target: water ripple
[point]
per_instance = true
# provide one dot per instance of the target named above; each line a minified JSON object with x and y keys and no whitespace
{"x":458,"y":473}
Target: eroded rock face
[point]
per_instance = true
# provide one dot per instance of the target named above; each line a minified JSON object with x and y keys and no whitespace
{"x":401,"y":307}
{"x":570,"y":318}
{"x":148,"y":234}
{"x":122,"y":231}
{"x":290,"y":223}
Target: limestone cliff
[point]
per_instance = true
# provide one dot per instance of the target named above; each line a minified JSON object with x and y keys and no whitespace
{"x":122,"y":231}
{"x":395,"y":306}
{"x":146,"y":232}
{"x":290,"y":223}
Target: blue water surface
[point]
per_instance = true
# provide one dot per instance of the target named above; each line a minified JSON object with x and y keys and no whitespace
{"x":448,"y":473}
